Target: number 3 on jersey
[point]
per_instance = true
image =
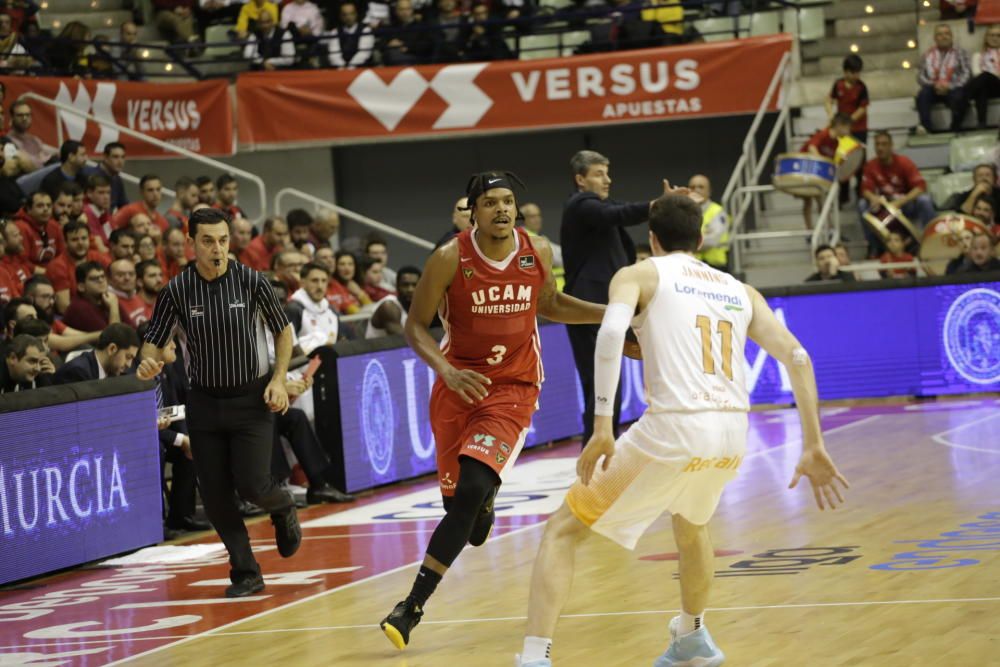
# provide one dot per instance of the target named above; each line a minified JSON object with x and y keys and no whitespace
{"x":725,"y":329}
{"x":498,"y":352}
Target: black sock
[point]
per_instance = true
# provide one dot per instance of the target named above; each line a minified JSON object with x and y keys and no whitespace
{"x":424,"y":585}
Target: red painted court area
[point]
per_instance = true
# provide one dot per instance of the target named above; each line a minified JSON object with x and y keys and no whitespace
{"x":102,"y":615}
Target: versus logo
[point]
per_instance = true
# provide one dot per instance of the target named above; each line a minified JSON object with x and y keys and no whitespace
{"x":389,"y":103}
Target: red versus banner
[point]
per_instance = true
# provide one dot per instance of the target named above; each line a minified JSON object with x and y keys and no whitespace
{"x":196,"y":116}
{"x":714,"y":79}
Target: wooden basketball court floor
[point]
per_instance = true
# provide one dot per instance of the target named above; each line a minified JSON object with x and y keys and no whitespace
{"x":906,"y":573}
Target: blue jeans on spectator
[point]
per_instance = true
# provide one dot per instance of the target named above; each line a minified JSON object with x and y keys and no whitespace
{"x":920,"y":211}
{"x":955,"y":99}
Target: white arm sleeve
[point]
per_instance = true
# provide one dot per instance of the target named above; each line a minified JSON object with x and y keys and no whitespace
{"x":608,"y":356}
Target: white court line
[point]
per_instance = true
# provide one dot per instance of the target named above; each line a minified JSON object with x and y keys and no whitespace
{"x":267,"y":612}
{"x":941,"y":440}
{"x":189,"y":603}
{"x":505,"y":619}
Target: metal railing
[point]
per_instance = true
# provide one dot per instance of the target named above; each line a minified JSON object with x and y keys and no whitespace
{"x":352,"y":215}
{"x":743,"y":192}
{"x":163,"y":145}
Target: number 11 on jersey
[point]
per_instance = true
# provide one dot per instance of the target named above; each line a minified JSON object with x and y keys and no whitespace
{"x":725,"y":330}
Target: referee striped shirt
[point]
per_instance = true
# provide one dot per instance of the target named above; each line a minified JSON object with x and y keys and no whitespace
{"x":221,"y":324}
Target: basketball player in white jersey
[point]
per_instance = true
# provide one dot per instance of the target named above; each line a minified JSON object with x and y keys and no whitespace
{"x":692,"y":323}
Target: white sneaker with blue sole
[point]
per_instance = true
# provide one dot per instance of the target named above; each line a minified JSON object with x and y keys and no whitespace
{"x":695,"y":649}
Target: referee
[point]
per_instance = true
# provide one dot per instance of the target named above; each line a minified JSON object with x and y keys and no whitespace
{"x":221,"y":309}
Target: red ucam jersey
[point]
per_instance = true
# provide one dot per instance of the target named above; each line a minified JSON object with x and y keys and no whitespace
{"x":489,"y":312}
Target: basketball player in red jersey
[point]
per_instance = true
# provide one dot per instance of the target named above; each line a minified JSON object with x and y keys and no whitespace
{"x":487,"y":284}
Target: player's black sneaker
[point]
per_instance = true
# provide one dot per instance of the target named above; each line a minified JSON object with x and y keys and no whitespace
{"x":400,"y":622}
{"x":483,"y":526}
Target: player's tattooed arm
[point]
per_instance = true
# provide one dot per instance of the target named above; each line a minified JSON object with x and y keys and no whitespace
{"x":438,"y":273}
{"x":556,"y":306}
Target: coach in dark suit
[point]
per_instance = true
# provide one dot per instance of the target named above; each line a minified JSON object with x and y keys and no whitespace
{"x":112,"y":356}
{"x":595,"y":245}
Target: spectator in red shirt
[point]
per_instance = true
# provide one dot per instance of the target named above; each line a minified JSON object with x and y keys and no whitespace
{"x":62,"y":270}
{"x":896,"y":252}
{"x":152,"y":195}
{"x":206,"y":190}
{"x":150,"y":282}
{"x":849,"y":95}
{"x":13,"y":259}
{"x":348,"y":297}
{"x":174,"y":253}
{"x":186,"y":197}
{"x":122,"y":244}
{"x":371,"y":272}
{"x":824,"y":142}
{"x":93,"y":307}
{"x":271,"y":241}
{"x":896,"y":178}
{"x":10,"y":286}
{"x":97,"y":209}
{"x":42,"y":234}
{"x":228,"y":190}
{"x":123,"y":284}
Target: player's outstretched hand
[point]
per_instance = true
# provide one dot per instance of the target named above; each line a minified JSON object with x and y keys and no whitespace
{"x":817,"y":465}
{"x":470,"y":385}
{"x":148,"y":369}
{"x":601,"y":444}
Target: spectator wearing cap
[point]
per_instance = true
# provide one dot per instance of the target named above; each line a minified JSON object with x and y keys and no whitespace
{"x":62,"y":270}
{"x":112,"y":356}
{"x":272,"y":240}
{"x":944,"y":71}
{"x":111,"y":167}
{"x":22,"y":366}
{"x":94,"y":306}
{"x":72,"y":158}
{"x":41,"y":233}
{"x":151,"y":189}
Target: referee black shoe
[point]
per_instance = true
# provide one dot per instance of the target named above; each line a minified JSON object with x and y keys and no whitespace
{"x":483,"y":526}
{"x":245,"y":587}
{"x":401,"y":621}
{"x":287,"y":532}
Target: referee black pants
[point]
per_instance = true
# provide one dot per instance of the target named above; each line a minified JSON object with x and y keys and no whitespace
{"x":583,"y":340}
{"x":231,"y":439}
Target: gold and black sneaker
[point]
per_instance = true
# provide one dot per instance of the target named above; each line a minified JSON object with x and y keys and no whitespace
{"x":401,"y":621}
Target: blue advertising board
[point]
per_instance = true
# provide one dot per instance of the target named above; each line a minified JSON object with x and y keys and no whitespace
{"x":78,"y":482}
{"x":910,"y":341}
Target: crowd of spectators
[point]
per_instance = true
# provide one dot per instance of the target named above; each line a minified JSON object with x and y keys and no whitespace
{"x":343,"y":34}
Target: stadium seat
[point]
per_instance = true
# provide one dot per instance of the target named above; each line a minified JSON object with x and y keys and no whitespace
{"x":216,"y":34}
{"x":945,"y":186}
{"x":810,"y":24}
{"x":554,"y":4}
{"x":761,"y":23}
{"x":716,"y":30}
{"x":539,"y":46}
{"x":571,"y":40}
{"x":966,"y":152}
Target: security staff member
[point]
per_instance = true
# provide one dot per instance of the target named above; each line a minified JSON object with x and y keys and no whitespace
{"x":714,"y":249}
{"x":221,"y":308}
{"x":595,"y":245}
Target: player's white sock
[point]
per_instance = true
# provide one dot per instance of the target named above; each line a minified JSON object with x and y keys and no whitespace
{"x":536,"y":648}
{"x":690,"y":622}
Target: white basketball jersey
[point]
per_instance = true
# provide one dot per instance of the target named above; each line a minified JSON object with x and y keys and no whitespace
{"x":693,"y":333}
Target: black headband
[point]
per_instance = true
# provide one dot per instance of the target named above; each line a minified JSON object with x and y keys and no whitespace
{"x":489,"y":180}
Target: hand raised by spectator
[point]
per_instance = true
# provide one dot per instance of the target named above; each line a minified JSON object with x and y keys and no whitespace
{"x":46,"y":366}
{"x":110,"y":301}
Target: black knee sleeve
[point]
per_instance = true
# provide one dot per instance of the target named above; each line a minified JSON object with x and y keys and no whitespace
{"x":476,"y":482}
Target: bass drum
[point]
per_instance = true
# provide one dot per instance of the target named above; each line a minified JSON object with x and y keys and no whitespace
{"x":891,"y":219}
{"x":849,"y":158}
{"x":945,"y":238}
{"x":803,"y":174}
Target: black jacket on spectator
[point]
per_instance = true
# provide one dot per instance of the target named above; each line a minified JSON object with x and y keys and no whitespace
{"x":967,"y":266}
{"x":955,"y":201}
{"x":181,"y":497}
{"x":11,"y":196}
{"x":7,"y":384}
{"x":595,"y":244}
{"x":270,"y":47}
{"x":417,"y":39}
{"x":82,"y":368}
{"x":843,"y":276}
